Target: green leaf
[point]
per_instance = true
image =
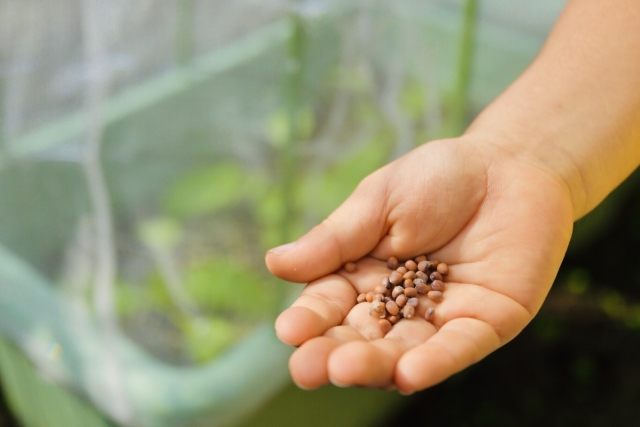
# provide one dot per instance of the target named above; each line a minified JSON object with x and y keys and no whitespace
{"x":208,"y":337}
{"x":37,"y":403}
{"x":206,"y":190}
{"x":229,"y":285}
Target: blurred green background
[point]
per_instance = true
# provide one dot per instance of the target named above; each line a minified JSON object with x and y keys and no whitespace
{"x":150,"y":152}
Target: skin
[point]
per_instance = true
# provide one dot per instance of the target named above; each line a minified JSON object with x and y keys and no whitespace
{"x":497,"y":204}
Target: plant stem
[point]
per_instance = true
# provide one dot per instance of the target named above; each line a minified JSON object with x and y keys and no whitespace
{"x":458,"y":118}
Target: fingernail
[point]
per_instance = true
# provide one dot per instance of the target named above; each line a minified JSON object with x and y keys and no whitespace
{"x":282,"y":249}
{"x":405,"y":393}
{"x":338,"y":383}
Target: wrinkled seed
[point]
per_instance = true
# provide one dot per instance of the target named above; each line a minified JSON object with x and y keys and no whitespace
{"x":398,"y":290}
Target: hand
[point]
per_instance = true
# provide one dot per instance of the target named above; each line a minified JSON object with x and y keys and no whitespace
{"x":502,"y":223}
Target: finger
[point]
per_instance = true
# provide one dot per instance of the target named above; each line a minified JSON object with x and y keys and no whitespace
{"x":457,"y":345}
{"x":322,"y":304}
{"x":372,"y":364}
{"x":308,"y":364}
{"x":348,"y":234}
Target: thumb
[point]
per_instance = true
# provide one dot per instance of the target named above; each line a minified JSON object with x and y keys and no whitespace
{"x":349,"y":233}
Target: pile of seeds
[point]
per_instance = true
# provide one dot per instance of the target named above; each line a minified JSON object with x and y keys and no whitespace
{"x":397,"y":296}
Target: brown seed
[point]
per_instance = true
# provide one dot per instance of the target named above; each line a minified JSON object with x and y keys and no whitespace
{"x":411,"y":265}
{"x":422,"y":288}
{"x":411,"y":292}
{"x":401,"y":300}
{"x":429,"y":313}
{"x":395,"y":278}
{"x":413,"y":302}
{"x":401,"y":270}
{"x":386,"y":283}
{"x":392,"y":263}
{"x":377,"y":308}
{"x":437,"y":285}
{"x":378,"y":297}
{"x":424,"y":265}
{"x":435,"y":276}
{"x":434,"y":263}
{"x":369,"y":296}
{"x":419,"y":259}
{"x":422,"y":275}
{"x":380,"y":290}
{"x":416,"y":282}
{"x":408,"y":283}
{"x":386,"y":299}
{"x":350,"y":267}
{"x":398,"y":290}
{"x":409,"y":275}
{"x":361,"y":298}
{"x":392,"y":308}
{"x":385,"y":325}
{"x":435,"y":295}
{"x":408,"y":312}
{"x":394,"y":319}
{"x":443,"y":269}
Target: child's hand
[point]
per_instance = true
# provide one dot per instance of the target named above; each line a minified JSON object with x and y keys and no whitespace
{"x":502,"y":224}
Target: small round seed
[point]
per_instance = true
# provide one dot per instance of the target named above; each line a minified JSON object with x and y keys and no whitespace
{"x":435,"y":295}
{"x":413,"y":302}
{"x":401,"y":270}
{"x":419,"y":259}
{"x":369,"y":296}
{"x":350,"y":267}
{"x":408,"y":312}
{"x":385,"y":325}
{"x":416,"y":282}
{"x":386,"y":283}
{"x":392,"y":263}
{"x":393,"y":319}
{"x":395,"y":278}
{"x":401,"y":300}
{"x":424,"y":265}
{"x":377,"y":308}
{"x":409,"y":275}
{"x":434,"y":263}
{"x":362,"y":298}
{"x":429,"y":313}
{"x":408,"y":283}
{"x":443,"y":269}
{"x":422,"y":288}
{"x":411,"y":265}
{"x":398,"y":290}
{"x":422,"y":275}
{"x":386,"y":299}
{"x":411,"y":292}
{"x":437,"y":285}
{"x":435,"y":276}
{"x":380,"y":290}
{"x":392,"y":308}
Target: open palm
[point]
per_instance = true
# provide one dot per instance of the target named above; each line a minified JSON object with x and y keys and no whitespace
{"x":501,"y":223}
